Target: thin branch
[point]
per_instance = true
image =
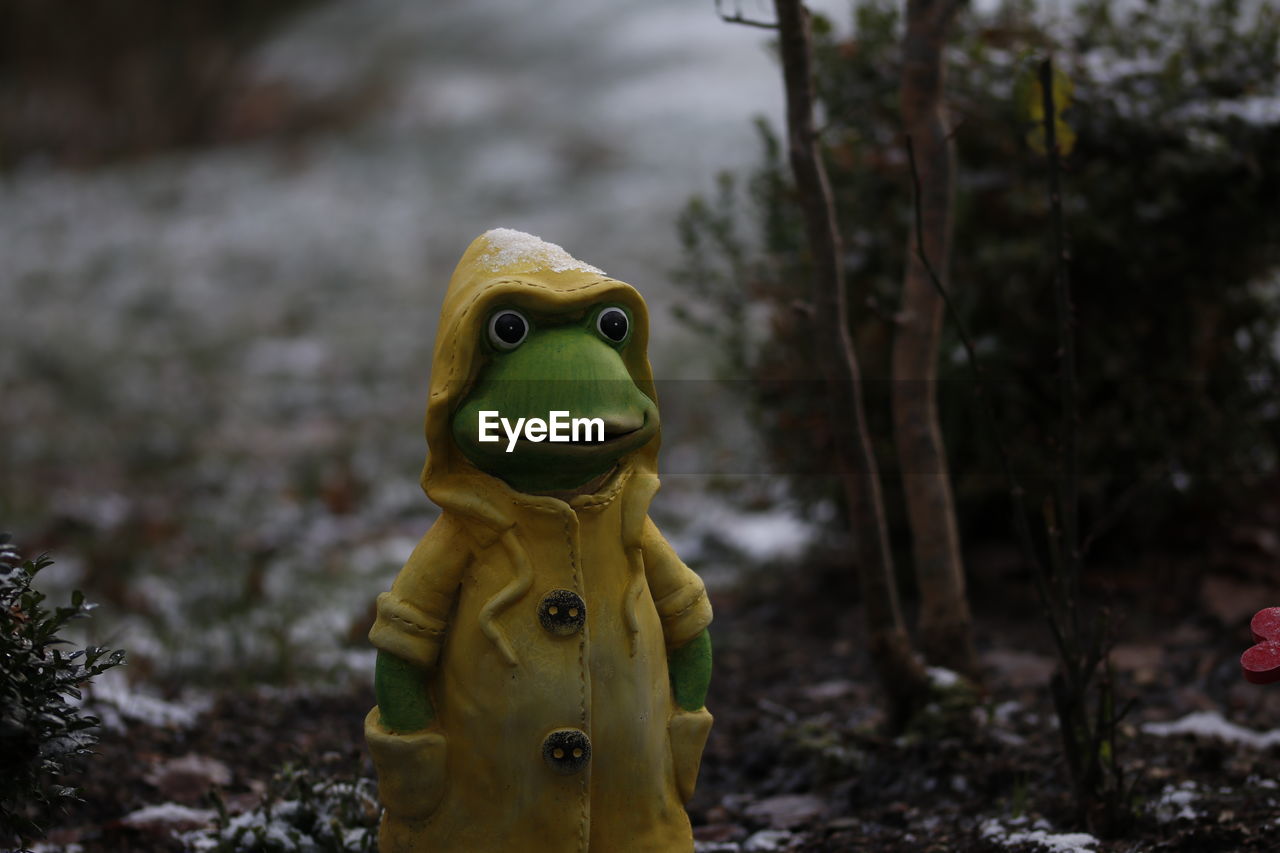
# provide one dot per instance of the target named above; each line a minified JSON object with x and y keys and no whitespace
{"x":1104,"y":525}
{"x":900,"y":671}
{"x":738,"y":18}
{"x":1099,"y":784}
{"x":1069,"y":471}
{"x":1021,"y":525}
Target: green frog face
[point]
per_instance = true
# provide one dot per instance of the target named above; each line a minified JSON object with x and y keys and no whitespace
{"x":554,"y":407}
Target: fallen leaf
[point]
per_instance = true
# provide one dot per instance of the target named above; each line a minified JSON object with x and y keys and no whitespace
{"x":1019,"y":669}
{"x":787,"y":810}
{"x":189,"y":777}
{"x":1233,"y":602}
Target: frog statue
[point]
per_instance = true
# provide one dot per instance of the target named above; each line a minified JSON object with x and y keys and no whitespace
{"x":543,"y":656}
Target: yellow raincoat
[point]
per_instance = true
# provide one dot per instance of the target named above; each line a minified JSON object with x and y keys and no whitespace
{"x":548,"y":736}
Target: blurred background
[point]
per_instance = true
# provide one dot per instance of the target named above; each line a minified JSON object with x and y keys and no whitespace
{"x":227,"y":231}
{"x":227,"y":228}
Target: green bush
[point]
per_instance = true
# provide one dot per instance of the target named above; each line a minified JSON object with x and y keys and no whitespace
{"x":41,"y":731}
{"x":1174,"y":230}
{"x":303,"y":812}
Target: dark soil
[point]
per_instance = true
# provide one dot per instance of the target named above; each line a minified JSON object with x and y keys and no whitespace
{"x":798,"y":748}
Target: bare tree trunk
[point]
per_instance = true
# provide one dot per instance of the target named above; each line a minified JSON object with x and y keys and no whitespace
{"x":899,"y":669}
{"x":946,"y":634}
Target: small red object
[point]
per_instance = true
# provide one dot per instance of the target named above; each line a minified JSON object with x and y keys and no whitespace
{"x":1261,"y":663}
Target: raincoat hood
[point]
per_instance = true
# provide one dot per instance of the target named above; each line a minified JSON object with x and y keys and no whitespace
{"x":503,"y":267}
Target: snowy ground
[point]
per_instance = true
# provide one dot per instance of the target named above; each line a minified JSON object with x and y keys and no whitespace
{"x":216,"y":374}
{"x":794,"y":763}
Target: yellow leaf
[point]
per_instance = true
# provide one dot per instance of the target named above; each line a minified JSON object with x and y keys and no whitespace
{"x":1063,"y":133}
{"x":1029,"y":95}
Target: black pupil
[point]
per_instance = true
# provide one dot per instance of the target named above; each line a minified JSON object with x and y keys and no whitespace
{"x":613,"y":324}
{"x":509,"y":328}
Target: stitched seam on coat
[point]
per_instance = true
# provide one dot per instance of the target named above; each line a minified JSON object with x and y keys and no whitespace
{"x":538,"y":286}
{"x":507,"y":596}
{"x":634,"y":588}
{"x":414,"y":628}
{"x":540,"y":507}
{"x":597,"y":501}
{"x":582,"y":686}
{"x":681,"y":612}
{"x":690,"y":587}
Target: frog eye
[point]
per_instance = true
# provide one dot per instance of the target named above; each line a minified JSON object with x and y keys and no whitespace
{"x":508,"y":329}
{"x":613,"y":324}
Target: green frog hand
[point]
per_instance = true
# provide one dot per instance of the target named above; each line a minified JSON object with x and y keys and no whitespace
{"x":401,"y":689}
{"x":690,"y":668}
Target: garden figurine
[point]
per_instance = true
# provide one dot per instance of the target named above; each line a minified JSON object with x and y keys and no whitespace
{"x":543,"y":656}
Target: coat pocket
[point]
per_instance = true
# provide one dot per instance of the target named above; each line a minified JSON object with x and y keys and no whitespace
{"x":688,"y":731}
{"x":411,"y":769}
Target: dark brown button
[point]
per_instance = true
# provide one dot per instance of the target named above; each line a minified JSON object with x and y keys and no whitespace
{"x":566,"y":751}
{"x":562,"y":612}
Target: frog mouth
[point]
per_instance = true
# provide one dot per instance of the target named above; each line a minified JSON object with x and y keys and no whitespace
{"x":617,"y":432}
{"x":612,"y":435}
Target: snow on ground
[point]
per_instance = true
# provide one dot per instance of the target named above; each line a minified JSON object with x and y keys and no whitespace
{"x":1211,"y":724}
{"x":1175,"y":803}
{"x":116,"y":704}
{"x":1261,"y":110}
{"x":718,"y":539}
{"x":234,"y":343}
{"x":941,"y":677}
{"x":168,"y":813}
{"x":763,"y":841}
{"x":1067,"y":842}
{"x":583,"y":124}
{"x":326,"y":816}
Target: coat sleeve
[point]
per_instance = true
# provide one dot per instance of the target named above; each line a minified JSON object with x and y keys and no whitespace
{"x":414,"y":615}
{"x":678,"y":593}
